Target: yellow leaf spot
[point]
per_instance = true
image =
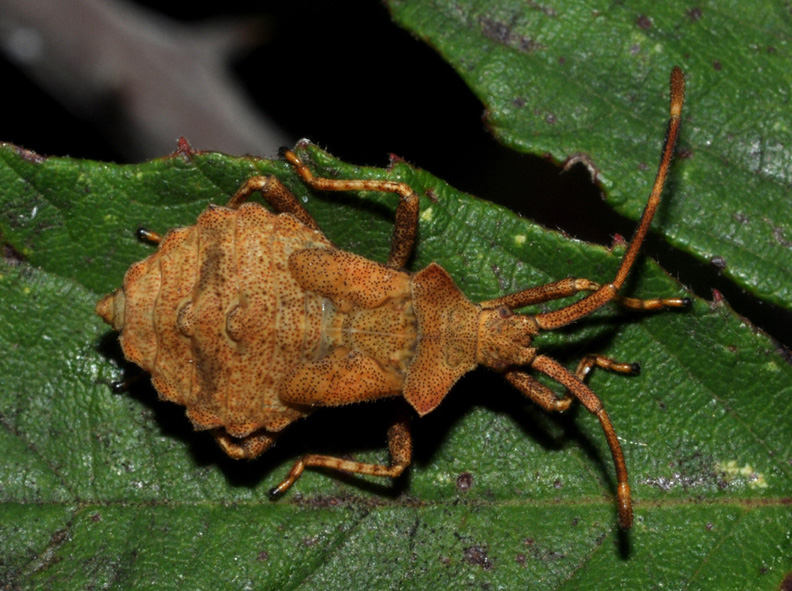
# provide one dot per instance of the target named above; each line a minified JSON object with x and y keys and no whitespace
{"x":732,"y":470}
{"x":772,"y":366}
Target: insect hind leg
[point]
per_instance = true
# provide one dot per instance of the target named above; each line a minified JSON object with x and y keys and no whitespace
{"x":276,"y":195}
{"x":245,"y":448}
{"x":405,"y":229}
{"x":148,"y":236}
{"x":399,"y":444}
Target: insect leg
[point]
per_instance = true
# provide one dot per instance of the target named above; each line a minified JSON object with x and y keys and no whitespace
{"x":406,"y":227}
{"x":124,"y":384}
{"x":547,"y":399}
{"x":609,"y":292}
{"x":148,"y":236}
{"x":538,"y":392}
{"x":245,"y":448}
{"x":399,"y":444}
{"x":575,"y":387}
{"x":569,"y":287}
{"x":276,"y":194}
{"x":592,"y":360}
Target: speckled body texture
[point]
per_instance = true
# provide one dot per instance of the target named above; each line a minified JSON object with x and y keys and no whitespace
{"x":251,"y":319}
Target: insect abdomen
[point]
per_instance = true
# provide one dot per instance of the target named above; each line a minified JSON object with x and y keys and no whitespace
{"x":217,"y":319}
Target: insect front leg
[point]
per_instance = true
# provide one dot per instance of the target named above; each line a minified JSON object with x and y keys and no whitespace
{"x":592,"y":360}
{"x":399,"y":445}
{"x":547,"y":399}
{"x":405,"y":229}
{"x":572,"y":285}
{"x":577,"y":389}
{"x":538,"y":392}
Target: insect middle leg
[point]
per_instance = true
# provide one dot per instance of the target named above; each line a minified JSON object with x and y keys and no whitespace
{"x":405,"y":228}
{"x":399,"y":444}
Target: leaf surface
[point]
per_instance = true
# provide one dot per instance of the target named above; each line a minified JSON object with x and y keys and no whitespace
{"x":116,"y":490}
{"x":89,"y":474}
{"x":589,"y":78}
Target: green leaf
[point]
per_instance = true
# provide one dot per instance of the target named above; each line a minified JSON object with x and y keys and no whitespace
{"x":89,"y":474}
{"x":115,"y":490}
{"x":590,"y":77}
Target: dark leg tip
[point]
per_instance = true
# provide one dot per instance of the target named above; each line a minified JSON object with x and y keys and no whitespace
{"x":635,"y":368}
{"x":141,"y":233}
{"x":119,"y":387}
{"x":687,"y":302}
{"x":274,"y":493}
{"x":282,"y":151}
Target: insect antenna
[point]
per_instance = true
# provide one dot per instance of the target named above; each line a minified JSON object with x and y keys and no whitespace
{"x":677,"y":98}
{"x":610,"y":291}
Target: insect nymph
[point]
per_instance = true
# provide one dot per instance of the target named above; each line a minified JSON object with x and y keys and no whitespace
{"x":253,"y":320}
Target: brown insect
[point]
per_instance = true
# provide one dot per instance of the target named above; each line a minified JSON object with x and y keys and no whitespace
{"x":252,"y":320}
